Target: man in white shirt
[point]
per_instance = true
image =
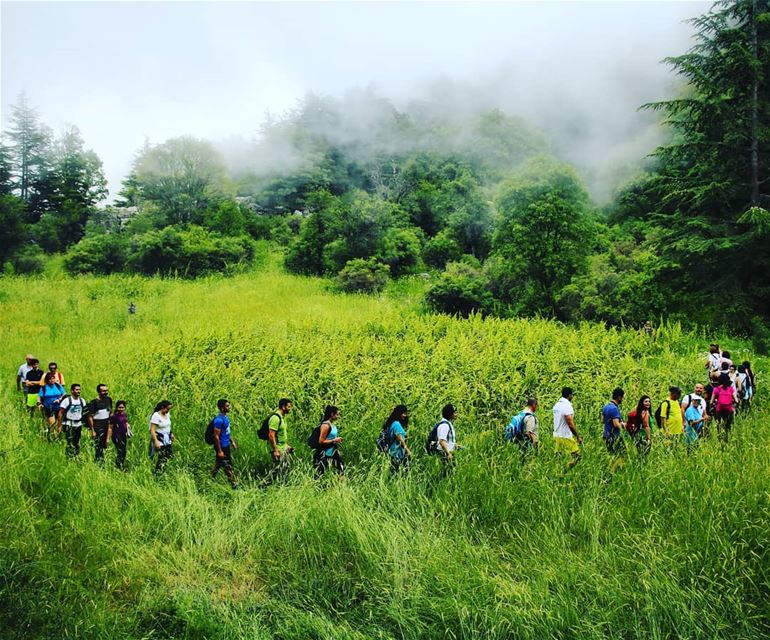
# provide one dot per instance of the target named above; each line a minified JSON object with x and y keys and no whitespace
{"x":21,"y":375}
{"x":698,"y":393}
{"x":445,"y":433}
{"x":565,"y":436}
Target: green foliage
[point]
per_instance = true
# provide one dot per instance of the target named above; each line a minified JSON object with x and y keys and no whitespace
{"x":226,"y":217}
{"x":462,"y":289}
{"x":441,"y":249}
{"x":363,"y":276}
{"x":100,"y":254}
{"x":400,"y":250}
{"x":12,"y":231}
{"x":28,"y":259}
{"x":544,"y":231}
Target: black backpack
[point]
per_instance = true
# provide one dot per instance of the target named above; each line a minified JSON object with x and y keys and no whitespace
{"x":315,"y":436}
{"x":431,"y":444}
{"x":264,"y":428}
{"x":383,"y":440}
{"x":658,"y":412}
{"x":209,"y":434}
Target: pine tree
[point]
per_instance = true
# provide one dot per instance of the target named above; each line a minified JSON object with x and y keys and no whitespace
{"x":711,"y":190}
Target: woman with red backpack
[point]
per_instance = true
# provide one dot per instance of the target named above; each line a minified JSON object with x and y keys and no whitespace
{"x":639,"y":425}
{"x":724,"y":399}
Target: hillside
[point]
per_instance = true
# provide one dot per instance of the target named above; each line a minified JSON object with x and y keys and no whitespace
{"x":678,"y":546}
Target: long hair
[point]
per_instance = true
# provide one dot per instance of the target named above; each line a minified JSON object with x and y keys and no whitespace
{"x":395,"y":416}
{"x":639,"y":408}
{"x":162,"y":405}
{"x":329,"y":411}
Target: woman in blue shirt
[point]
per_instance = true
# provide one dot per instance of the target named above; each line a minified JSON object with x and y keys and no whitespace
{"x":395,"y":427}
{"x":49,"y":397}
{"x":327,"y":454}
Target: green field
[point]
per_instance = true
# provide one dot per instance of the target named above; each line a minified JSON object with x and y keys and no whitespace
{"x":678,"y":547}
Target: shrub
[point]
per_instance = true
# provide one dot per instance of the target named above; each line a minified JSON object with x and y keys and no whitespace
{"x":363,"y":276}
{"x":462,"y":289}
{"x":28,"y":260}
{"x":401,"y":250}
{"x":440,"y":250}
{"x":103,"y":254}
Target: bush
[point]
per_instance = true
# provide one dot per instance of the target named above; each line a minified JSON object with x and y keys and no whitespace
{"x":440,"y":250}
{"x":103,"y":254}
{"x":401,"y":250}
{"x":28,"y":260}
{"x":363,"y":276}
{"x":462,"y":289}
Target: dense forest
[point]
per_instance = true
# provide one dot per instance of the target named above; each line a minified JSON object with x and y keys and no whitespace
{"x":361,"y":191}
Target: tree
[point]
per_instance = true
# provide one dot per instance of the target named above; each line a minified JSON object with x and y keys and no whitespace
{"x":30,"y":151}
{"x":12,"y":232}
{"x":543,"y":234}
{"x":712,"y":184}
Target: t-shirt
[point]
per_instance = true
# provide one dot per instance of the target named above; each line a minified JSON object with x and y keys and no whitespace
{"x":100,"y":410}
{"x":119,"y":422}
{"x":672,"y":412}
{"x":446,"y":431}
{"x":611,"y":412}
{"x":162,"y":426}
{"x":222,"y":422}
{"x":715,"y":361}
{"x":34,"y":375}
{"x":74,"y":410}
{"x":724,"y":399}
{"x":49,"y":394}
{"x":687,"y":403}
{"x":693,"y":416}
{"x":396,"y":451}
{"x":277,"y":423}
{"x":561,"y":410}
{"x":22,"y":372}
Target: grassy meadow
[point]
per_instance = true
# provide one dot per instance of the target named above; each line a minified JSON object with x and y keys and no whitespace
{"x":674,"y":547}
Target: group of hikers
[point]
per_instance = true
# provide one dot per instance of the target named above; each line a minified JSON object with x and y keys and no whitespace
{"x":728,"y":389}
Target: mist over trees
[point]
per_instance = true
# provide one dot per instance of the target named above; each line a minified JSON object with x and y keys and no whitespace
{"x":357,"y":189}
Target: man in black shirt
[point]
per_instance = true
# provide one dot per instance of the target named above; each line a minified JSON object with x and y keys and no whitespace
{"x":99,"y":412}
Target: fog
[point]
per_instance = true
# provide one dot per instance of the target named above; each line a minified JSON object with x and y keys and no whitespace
{"x":126,"y":72}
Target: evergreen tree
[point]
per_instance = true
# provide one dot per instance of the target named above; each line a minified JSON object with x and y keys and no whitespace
{"x":711,"y":190}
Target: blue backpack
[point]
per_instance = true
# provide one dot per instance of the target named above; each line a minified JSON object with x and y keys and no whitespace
{"x":514,"y":430}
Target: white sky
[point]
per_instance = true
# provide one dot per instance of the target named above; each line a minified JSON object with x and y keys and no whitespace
{"x":123,"y":71}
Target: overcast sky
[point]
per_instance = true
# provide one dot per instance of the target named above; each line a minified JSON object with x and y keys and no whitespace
{"x":126,"y":71}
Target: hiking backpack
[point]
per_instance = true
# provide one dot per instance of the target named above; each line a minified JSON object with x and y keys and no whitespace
{"x":514,"y":430}
{"x":383,"y":440}
{"x":658,"y":412}
{"x":314,"y":437}
{"x":208,"y":435}
{"x":264,"y":428}
{"x":633,"y":423}
{"x":431,"y":443}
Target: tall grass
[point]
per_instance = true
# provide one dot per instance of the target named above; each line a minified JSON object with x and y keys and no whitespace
{"x":675,"y":547}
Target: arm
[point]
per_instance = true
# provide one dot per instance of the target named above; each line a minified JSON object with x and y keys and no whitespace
{"x":571,"y":424}
{"x":217,"y":443}
{"x":18,"y":382}
{"x":91,"y":422}
{"x":402,"y":442}
{"x":272,"y":436}
{"x":646,"y":424}
{"x":153,"y":434}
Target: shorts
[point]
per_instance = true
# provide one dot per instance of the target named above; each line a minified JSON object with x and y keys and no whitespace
{"x":32,"y":399}
{"x":566,"y":445}
{"x":225,"y":462}
{"x":50,"y":412}
{"x":615,"y":446}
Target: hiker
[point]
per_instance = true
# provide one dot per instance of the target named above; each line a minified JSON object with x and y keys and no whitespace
{"x":724,"y":400}
{"x":327,"y":454}
{"x":161,"y":437}
{"x":33,"y":381}
{"x":54,"y":368}
{"x":639,"y":425}
{"x":750,"y":373}
{"x":566,"y":439}
{"x":694,"y":420}
{"x":736,"y":380}
{"x":21,"y":375}
{"x":72,"y":410}
{"x":523,"y":429}
{"x":446,"y":441}
{"x":395,"y":427}
{"x":223,"y":440}
{"x":278,"y":440}
{"x":714,"y":360}
{"x":726,"y":359}
{"x":119,"y":432}
{"x":747,"y":384}
{"x":698,"y":393}
{"x":613,"y":429}
{"x":49,"y":397}
{"x":670,"y":416}
{"x":99,"y":412}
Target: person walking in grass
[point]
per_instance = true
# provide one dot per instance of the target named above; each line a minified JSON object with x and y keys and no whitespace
{"x":566,"y":438}
{"x":33,"y":382}
{"x":446,"y":437}
{"x":223,"y":442}
{"x":714,"y":360}
{"x":327,"y":454}
{"x":747,"y":390}
{"x":724,"y":399}
{"x":613,"y":429}
{"x":99,"y":412}
{"x":49,"y":397}
{"x":72,"y":412}
{"x":21,"y":375}
{"x":278,"y":440}
{"x":698,"y":393}
{"x":671,"y":415}
{"x":396,"y":427}
{"x":119,"y":432}
{"x":639,"y":425}
{"x":161,"y":437}
{"x":523,"y":429}
{"x":694,"y":418}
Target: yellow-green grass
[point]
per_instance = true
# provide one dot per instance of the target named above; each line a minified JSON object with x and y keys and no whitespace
{"x":676,"y":547}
